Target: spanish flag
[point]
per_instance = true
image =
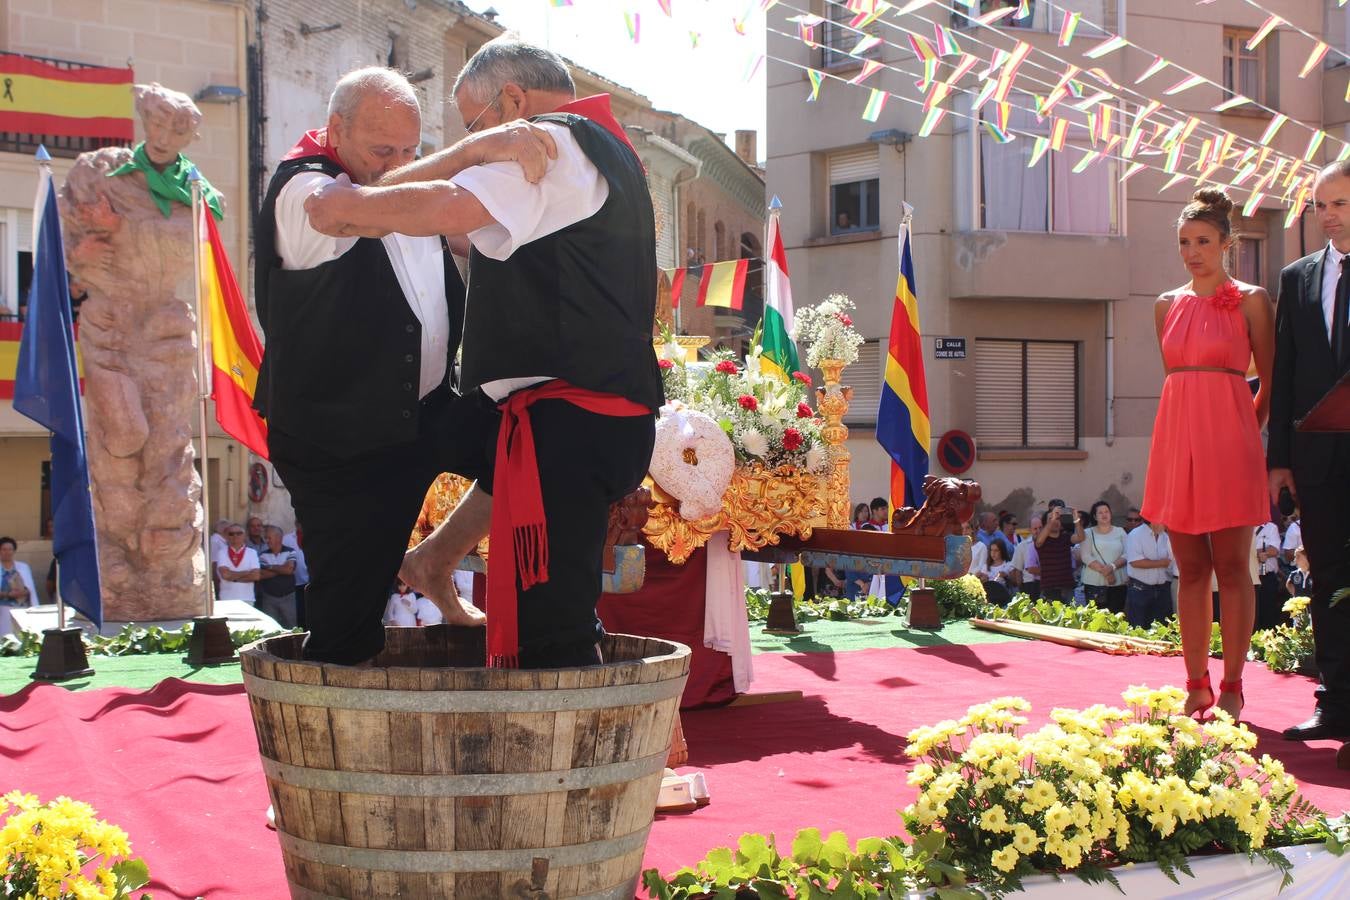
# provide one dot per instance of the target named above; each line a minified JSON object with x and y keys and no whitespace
{"x":903,"y":428}
{"x":37,"y":97}
{"x":236,"y":353}
{"x":723,"y":284}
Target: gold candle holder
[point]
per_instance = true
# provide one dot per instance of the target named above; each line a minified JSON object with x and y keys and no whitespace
{"x":832,"y":400}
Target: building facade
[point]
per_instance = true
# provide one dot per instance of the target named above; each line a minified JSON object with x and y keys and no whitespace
{"x":1041,"y":280}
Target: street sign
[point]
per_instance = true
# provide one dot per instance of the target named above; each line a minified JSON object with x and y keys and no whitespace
{"x":949,"y":348}
{"x":956,"y":452}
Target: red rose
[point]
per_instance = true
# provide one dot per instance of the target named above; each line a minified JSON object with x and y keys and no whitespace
{"x":726,"y":367}
{"x":792,"y":439}
{"x":748,"y":402}
{"x":802,"y":377}
{"x":665,"y":364}
{"x":844,"y":317}
{"x":804,"y":411}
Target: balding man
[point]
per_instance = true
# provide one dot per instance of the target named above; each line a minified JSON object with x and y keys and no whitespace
{"x":558,"y":333}
{"x":361,"y":337}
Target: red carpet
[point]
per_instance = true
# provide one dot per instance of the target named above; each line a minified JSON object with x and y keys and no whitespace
{"x":177,"y":766}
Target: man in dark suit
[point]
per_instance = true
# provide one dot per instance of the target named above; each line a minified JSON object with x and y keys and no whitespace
{"x":1312,"y":350}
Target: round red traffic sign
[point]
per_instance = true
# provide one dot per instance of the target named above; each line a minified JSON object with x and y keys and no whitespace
{"x":956,"y":452}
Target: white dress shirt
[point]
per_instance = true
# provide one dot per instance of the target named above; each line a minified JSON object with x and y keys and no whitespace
{"x":1293,"y":536}
{"x":1331,"y":273}
{"x":1141,"y":543}
{"x":418,"y":263}
{"x":572,"y":190}
{"x":979,"y":560}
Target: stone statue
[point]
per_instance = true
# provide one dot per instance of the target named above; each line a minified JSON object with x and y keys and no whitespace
{"x":128,"y":231}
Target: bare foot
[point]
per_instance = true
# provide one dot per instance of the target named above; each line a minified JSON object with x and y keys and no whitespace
{"x":437,"y":583}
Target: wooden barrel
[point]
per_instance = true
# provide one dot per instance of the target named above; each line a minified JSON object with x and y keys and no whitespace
{"x":428,"y":776}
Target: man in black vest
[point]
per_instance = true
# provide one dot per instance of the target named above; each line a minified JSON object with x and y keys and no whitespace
{"x":361,"y":337}
{"x":561,"y":300}
{"x":1312,"y":350}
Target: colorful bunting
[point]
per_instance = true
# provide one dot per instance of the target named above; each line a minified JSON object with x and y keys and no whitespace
{"x":1253,"y":202}
{"x":1231,"y":103}
{"x":1058,"y":132}
{"x":1319,"y":53}
{"x":693,"y":40}
{"x":865,"y":43}
{"x":1297,"y":208}
{"x":922,"y":48}
{"x":1154,"y":68}
{"x":753,"y":67}
{"x":1023,"y":10}
{"x":1173,"y":158}
{"x":665,"y":6}
{"x":633,"y":22}
{"x":1314,"y":142}
{"x":930,"y":122}
{"x":869,"y":66}
{"x":998,"y":134}
{"x":1110,"y":45}
{"x":968,"y":62}
{"x":875,"y":104}
{"x":1133,"y":170}
{"x":815,"y":79}
{"x":1266,"y":28}
{"x":1088,"y":159}
{"x":1271,"y":129}
{"x":993,"y":16}
{"x":936,"y":96}
{"x":1185,"y":84}
{"x":1172,"y":182}
{"x":945,"y":40}
{"x":1066,"y":30}
{"x":1038,"y":151}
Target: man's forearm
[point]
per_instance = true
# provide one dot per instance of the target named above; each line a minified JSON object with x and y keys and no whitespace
{"x":439,"y":166}
{"x":416,"y":210}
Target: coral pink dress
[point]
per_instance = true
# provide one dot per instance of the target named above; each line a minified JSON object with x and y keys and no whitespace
{"x":1206,"y":468}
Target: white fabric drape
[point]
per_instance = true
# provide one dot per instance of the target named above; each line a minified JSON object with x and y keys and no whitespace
{"x":726,"y":624}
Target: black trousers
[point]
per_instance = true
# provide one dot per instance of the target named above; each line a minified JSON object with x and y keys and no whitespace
{"x":358,"y":514}
{"x":1325,"y":508}
{"x":1270,"y":598}
{"x":586,"y":462}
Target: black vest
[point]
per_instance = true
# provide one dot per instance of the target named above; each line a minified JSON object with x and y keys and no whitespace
{"x":577,"y":304}
{"x":343,"y":348}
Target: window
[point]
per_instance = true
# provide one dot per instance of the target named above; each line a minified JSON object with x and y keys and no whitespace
{"x":961,"y":18}
{"x":1048,"y":196}
{"x":855,"y":203}
{"x":1244,"y":71}
{"x":1026,"y":394}
{"x":1247,"y":258}
{"x":865,"y":377}
{"x":721,"y":250}
{"x":840,"y":37}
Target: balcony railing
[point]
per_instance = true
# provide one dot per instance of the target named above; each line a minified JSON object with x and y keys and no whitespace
{"x":57,"y":145}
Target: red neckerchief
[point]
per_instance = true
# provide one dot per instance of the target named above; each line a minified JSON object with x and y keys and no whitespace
{"x":315,"y":143}
{"x":518,"y":509}
{"x":236,"y":560}
{"x":596,"y":108}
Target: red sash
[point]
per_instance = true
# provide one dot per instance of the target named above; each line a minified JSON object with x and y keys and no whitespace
{"x":596,"y":108}
{"x":518,"y":509}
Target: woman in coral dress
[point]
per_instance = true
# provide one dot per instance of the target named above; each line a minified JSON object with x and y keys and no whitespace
{"x":1206,"y":468}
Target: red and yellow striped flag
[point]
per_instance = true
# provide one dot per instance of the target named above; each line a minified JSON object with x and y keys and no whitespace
{"x":723,"y":284}
{"x":236,"y":353}
{"x":11,"y":334}
{"x":40,"y":98}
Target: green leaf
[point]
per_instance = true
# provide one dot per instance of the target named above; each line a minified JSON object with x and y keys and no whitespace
{"x":130,"y":874}
{"x":720,"y":864}
{"x":835,"y":851}
{"x":806,"y":846}
{"x":756,"y":852}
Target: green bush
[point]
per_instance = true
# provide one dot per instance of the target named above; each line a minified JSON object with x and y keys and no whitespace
{"x":132,"y":640}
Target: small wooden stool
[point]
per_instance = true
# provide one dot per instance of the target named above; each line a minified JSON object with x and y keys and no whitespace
{"x":679,"y":747}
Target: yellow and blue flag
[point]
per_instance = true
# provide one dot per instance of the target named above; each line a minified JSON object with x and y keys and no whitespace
{"x":903,"y":428}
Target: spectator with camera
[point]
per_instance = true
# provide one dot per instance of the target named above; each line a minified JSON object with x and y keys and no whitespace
{"x":1054,"y":544}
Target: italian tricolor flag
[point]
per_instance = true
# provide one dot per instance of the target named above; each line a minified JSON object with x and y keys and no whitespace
{"x":780,"y":353}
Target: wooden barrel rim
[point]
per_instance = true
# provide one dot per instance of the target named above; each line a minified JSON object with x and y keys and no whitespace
{"x":434,"y":861}
{"x":461,"y":701}
{"x":625,"y":891}
{"x":486,"y":785}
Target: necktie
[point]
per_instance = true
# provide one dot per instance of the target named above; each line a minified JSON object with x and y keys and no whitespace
{"x":1340,"y":341}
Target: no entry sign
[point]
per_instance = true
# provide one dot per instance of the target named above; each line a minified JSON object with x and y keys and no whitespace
{"x":956,"y":452}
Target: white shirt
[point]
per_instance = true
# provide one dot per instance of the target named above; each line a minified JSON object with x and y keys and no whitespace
{"x":301,"y":567}
{"x":979,"y":560}
{"x":1102,"y":548}
{"x":418,"y":263}
{"x":1293,"y":536}
{"x":1025,"y":555}
{"x":1268,"y":536}
{"x":571,"y":191}
{"x":1142,"y":543}
{"x":218,"y":543}
{"x":237,"y":590}
{"x":1331,"y":273}
{"x":999,"y":572}
{"x":409,"y":610}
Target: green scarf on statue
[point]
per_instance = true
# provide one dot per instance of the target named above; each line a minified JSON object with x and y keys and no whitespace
{"x":172,"y":185}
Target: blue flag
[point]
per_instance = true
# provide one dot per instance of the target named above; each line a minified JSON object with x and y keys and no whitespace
{"x":47,"y":390}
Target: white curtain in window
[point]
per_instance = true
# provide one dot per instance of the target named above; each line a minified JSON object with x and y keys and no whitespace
{"x":1014,"y":196}
{"x":1082,"y":202}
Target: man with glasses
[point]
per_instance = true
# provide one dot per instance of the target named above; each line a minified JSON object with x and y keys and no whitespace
{"x":358,"y":374}
{"x":558,"y":328}
{"x":1133,"y":519}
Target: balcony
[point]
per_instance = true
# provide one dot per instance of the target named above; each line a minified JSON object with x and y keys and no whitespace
{"x":57,"y":145}
{"x":1034,"y":266}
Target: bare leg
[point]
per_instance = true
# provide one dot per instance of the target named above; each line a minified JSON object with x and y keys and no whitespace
{"x":1237,"y":605}
{"x":1195,"y":611}
{"x":429,"y":568}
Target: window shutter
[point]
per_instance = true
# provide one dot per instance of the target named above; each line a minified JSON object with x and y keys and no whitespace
{"x":998,"y":393}
{"x":23,"y":231}
{"x":854,"y":165}
{"x":865,"y":378}
{"x":1052,"y":395}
